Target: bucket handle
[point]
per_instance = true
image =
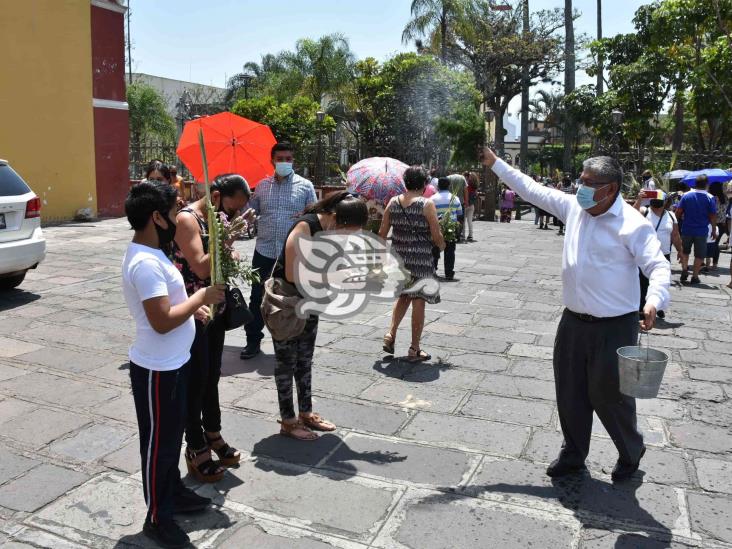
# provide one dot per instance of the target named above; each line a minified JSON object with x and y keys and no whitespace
{"x":640,"y":346}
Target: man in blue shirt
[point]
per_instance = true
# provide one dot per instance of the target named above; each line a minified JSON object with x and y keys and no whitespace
{"x":277,"y":200}
{"x":442,"y":202}
{"x":698,"y":210}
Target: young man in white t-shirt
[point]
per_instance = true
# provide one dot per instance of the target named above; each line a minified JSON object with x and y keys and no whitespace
{"x":163,"y":314}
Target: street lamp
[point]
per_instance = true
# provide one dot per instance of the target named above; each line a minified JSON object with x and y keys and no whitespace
{"x":319,"y":117}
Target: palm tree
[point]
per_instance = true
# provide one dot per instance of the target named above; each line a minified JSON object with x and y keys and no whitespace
{"x":600,"y":60}
{"x":548,"y":107}
{"x":326,"y":65}
{"x":316,"y":69}
{"x":433,"y":18}
{"x":569,"y":82}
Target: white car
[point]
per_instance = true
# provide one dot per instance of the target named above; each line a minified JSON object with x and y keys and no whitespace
{"x":22,"y":245}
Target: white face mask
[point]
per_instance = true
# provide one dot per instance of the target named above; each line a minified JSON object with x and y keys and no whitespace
{"x":283,"y":169}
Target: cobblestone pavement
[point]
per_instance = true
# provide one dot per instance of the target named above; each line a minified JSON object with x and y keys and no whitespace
{"x":448,"y":454}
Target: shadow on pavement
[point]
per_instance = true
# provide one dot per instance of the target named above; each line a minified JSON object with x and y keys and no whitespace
{"x":231,"y":364}
{"x":417,"y":372}
{"x":309,"y":454}
{"x":211,"y":519}
{"x":586,"y":496}
{"x":11,"y":299}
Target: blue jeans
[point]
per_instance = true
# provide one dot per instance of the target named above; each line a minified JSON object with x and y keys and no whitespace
{"x":254,"y":328}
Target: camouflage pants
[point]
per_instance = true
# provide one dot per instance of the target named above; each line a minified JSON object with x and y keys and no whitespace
{"x":295,"y":359}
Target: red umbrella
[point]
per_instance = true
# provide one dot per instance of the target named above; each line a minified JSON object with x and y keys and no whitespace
{"x":233,"y":145}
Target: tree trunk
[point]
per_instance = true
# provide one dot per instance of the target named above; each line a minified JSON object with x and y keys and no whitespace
{"x":569,"y":83}
{"x":443,"y":34}
{"x":500,"y":138}
{"x":600,"y":60}
{"x":678,"y":136}
{"x":525,"y":98}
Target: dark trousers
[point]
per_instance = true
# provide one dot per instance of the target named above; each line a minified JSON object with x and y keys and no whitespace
{"x":644,"y":284}
{"x":203,"y":412}
{"x":160,"y":399}
{"x":295,"y":359}
{"x":255,"y":327}
{"x":586,"y":379}
{"x":449,"y":258}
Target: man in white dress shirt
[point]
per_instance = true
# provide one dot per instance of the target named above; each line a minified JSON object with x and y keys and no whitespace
{"x":606,"y":243}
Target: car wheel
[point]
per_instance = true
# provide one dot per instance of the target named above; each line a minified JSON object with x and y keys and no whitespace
{"x":10,"y":282}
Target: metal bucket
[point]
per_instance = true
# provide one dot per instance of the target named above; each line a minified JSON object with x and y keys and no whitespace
{"x":641,"y":370}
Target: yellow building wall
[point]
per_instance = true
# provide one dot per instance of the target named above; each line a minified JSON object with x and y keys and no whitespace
{"x":46,"y":112}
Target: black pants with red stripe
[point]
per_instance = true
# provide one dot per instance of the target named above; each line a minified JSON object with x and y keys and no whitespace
{"x":160,"y":403}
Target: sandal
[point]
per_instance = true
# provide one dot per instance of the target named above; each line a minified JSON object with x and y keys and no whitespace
{"x":388,"y":344}
{"x":206,"y":471}
{"x":291,"y":430}
{"x":417,"y":355}
{"x":317,"y":423}
{"x":228,"y":455}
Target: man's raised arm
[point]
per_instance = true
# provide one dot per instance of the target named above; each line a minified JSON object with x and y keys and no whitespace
{"x":550,"y":200}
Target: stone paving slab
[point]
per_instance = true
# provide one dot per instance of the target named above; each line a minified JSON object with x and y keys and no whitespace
{"x":400,"y":461}
{"x":321,"y":501}
{"x":449,"y":453}
{"x":443,"y":521}
{"x":476,"y":434}
{"x":39,"y":486}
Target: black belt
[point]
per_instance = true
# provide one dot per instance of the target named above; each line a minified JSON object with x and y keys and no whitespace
{"x":589,"y":318}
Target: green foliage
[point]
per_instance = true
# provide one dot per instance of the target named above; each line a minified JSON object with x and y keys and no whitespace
{"x":408,"y":106}
{"x":149,"y":118}
{"x":680,"y":49}
{"x":293,"y":121}
{"x":491,"y":45}
{"x":464,"y":132}
{"x":318,"y":69}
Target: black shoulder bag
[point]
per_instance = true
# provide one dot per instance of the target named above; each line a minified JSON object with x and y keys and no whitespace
{"x":236,"y":313}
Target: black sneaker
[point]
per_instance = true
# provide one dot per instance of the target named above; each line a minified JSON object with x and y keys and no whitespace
{"x":559,"y":468}
{"x":471,"y":239}
{"x":684,"y":276}
{"x":623,"y":471}
{"x":695,"y":280}
{"x":250,"y":351}
{"x":166,"y":534}
{"x":188,"y":501}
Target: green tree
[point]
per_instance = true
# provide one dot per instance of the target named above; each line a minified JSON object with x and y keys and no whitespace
{"x":494,"y":49}
{"x":404,"y":106}
{"x":320,"y":69}
{"x":433,"y":19}
{"x":294,"y":121}
{"x":148,"y":116}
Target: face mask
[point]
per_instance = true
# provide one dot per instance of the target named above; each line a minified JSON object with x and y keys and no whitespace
{"x":586,"y":196}
{"x":165,"y":236}
{"x":646,"y":177}
{"x":283,"y":169}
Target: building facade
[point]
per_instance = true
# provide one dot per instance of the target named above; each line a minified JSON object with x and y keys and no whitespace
{"x":62,"y":99}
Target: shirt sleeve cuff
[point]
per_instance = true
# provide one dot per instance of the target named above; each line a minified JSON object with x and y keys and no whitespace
{"x":655,"y":301}
{"x":500,"y":167}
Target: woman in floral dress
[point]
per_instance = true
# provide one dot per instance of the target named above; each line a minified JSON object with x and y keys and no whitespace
{"x":415,"y":230}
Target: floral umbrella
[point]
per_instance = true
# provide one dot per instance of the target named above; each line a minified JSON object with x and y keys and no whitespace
{"x":378,"y":179}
